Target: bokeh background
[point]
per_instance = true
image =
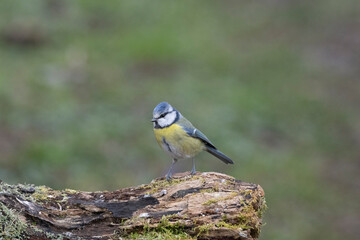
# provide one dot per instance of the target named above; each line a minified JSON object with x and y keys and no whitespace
{"x":274,"y":84}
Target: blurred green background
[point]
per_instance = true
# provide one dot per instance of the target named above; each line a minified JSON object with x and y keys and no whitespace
{"x":274,"y":84}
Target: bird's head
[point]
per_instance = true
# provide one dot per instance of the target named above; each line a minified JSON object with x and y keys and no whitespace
{"x":164,"y":115}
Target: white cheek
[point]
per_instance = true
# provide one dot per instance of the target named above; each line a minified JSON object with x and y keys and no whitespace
{"x":161,"y":122}
{"x":167,"y":120}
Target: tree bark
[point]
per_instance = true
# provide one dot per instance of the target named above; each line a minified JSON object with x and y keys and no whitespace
{"x":204,"y":206}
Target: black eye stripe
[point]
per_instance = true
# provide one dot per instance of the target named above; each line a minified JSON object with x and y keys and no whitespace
{"x":164,"y":114}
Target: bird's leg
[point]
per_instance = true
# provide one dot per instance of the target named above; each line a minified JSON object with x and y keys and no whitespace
{"x":193,"y":170}
{"x":169,"y":173}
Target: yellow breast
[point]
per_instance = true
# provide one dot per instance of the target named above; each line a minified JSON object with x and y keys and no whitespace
{"x":177,"y":142}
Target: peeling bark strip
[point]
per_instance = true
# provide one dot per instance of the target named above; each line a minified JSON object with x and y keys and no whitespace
{"x":205,"y":206}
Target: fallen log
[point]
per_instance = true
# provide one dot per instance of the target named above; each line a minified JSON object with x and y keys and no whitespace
{"x":204,"y":206}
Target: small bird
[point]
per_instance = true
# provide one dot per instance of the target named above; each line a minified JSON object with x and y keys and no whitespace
{"x":179,"y":138}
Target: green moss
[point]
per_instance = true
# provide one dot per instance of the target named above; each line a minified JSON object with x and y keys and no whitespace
{"x":152,"y":235}
{"x":211,"y":201}
{"x":144,"y":186}
{"x":208,"y":190}
{"x":215,"y":200}
{"x":41,"y":193}
{"x":241,"y":218}
{"x":33,"y":193}
{"x":203,"y":181}
{"x":263,"y":207}
{"x":157,"y":185}
{"x":12,"y":226}
{"x":165,"y":229}
{"x":228,"y":182}
{"x":48,"y":235}
{"x":248,"y":217}
{"x":18,"y":190}
{"x":166,"y":226}
{"x":226,"y":225}
{"x":71,"y":191}
{"x":203,"y":229}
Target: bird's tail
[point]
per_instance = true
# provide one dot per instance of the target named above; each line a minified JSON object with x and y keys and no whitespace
{"x":219,"y":155}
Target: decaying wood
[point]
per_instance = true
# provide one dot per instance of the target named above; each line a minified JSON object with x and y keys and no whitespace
{"x":206,"y":206}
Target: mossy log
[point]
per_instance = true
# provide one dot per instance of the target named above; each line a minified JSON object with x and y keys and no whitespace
{"x":205,"y":206}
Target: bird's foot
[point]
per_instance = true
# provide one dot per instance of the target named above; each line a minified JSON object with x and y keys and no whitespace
{"x":193,"y":170}
{"x":168,"y":177}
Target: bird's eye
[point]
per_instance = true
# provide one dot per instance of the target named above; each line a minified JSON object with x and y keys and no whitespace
{"x":162,"y":115}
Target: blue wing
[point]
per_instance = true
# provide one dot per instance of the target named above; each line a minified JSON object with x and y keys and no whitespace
{"x":195,"y":133}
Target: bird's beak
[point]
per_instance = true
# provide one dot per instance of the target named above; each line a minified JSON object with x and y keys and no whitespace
{"x":153,"y":120}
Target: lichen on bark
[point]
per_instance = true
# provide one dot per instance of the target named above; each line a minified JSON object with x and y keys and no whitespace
{"x":205,"y":206}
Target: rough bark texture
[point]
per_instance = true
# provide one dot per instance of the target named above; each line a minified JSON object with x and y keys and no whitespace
{"x":205,"y":206}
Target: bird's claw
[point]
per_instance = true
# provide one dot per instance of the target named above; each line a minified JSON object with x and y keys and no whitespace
{"x":168,"y":177}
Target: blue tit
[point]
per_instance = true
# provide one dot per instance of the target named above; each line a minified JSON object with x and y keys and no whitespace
{"x":179,"y":138}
